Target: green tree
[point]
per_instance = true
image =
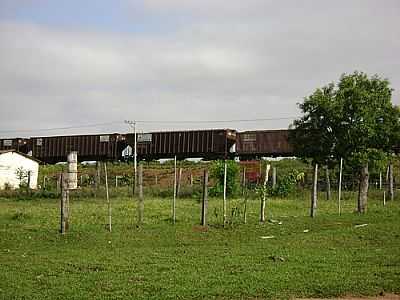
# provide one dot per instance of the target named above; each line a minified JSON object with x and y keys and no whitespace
{"x":314,"y":135}
{"x":354,"y":119}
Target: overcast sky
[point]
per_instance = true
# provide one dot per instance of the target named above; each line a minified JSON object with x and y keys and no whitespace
{"x":72,"y":63}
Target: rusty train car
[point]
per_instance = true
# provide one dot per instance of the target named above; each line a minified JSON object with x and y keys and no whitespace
{"x":209,"y":144}
{"x":19,"y":144}
{"x":263,"y":143}
{"x":96,"y":147}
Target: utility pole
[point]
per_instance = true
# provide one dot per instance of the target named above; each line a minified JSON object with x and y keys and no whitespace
{"x":132,"y":124}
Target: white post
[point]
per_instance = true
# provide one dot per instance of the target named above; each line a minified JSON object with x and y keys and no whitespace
{"x":340,"y":184}
{"x":262,"y":213}
{"x":224,"y":210}
{"x":314,"y":194}
{"x":174,"y":199}
{"x":135,"y":155}
{"x":108,"y":198}
{"x":384,"y":197}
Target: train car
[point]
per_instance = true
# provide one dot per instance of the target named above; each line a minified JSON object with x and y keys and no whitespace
{"x":19,"y":144}
{"x":209,"y":144}
{"x":263,"y":143}
{"x":52,"y":149}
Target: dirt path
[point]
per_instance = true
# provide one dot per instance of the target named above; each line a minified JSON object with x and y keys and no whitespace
{"x":385,"y":297}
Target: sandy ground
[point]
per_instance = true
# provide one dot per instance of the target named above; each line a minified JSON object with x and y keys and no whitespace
{"x":384,"y":297}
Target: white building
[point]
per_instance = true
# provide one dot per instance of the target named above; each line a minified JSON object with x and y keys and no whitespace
{"x":17,"y":168}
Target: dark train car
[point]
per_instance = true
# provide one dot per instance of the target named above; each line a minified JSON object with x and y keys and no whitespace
{"x":259,"y":143}
{"x":99,"y":147}
{"x":19,"y":144}
{"x":209,"y":144}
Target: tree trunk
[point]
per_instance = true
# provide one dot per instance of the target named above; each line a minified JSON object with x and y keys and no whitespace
{"x":314,"y":193}
{"x":391,"y":190}
{"x":328,"y":184}
{"x":363,"y":190}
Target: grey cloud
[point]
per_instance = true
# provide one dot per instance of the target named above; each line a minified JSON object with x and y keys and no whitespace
{"x":248,"y":59}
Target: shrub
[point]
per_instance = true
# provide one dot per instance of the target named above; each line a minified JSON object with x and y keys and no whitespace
{"x":217,"y":173}
{"x":285,"y":186}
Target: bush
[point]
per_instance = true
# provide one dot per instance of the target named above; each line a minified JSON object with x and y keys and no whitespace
{"x":217,"y":173}
{"x":284,"y":187}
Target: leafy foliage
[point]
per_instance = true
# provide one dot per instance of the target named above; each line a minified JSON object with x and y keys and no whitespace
{"x":285,"y":186}
{"x":22,"y":176}
{"x":354,"y":119}
{"x":217,"y":172}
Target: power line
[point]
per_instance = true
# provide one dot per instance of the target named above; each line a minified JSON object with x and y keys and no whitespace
{"x":147,"y":122}
{"x":60,"y":128}
{"x":215,"y":121}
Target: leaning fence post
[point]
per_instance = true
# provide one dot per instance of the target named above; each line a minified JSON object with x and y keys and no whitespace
{"x":205,"y":199}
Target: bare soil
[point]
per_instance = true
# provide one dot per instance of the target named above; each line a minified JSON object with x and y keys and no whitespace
{"x":384,"y":297}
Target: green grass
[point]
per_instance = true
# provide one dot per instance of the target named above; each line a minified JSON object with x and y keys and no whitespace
{"x":182,"y":261}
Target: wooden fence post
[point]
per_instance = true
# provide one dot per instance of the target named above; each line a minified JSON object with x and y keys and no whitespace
{"x":244,"y":196}
{"x":59,"y":183}
{"x":174,"y":198}
{"x":384,"y":197}
{"x":98,"y":174}
{"x":340,"y":185}
{"x":29,"y":180}
{"x":204,"y":205}
{"x":328,"y":183}
{"x":391,"y":189}
{"x":224,"y":199}
{"x":273,"y":177}
{"x":314,"y":193}
{"x":108,"y":197}
{"x":178,"y":184}
{"x":141,"y":199}
{"x":64,"y":218}
{"x":262,"y":212}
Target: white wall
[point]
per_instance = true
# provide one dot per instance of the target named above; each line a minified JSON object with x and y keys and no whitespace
{"x":10,"y":162}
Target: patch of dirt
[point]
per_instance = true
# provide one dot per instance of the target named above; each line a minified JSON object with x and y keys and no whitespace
{"x":384,"y":297}
{"x":199,"y":228}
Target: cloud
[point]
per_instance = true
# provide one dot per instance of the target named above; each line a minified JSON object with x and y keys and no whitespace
{"x":237,"y":61}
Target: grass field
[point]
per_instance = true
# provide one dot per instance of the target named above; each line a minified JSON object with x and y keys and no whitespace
{"x":184,"y":261}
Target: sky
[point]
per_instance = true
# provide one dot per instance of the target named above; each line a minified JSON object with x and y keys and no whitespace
{"x":71,"y":67}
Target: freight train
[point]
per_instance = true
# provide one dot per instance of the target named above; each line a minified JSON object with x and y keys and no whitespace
{"x":208,"y":144}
